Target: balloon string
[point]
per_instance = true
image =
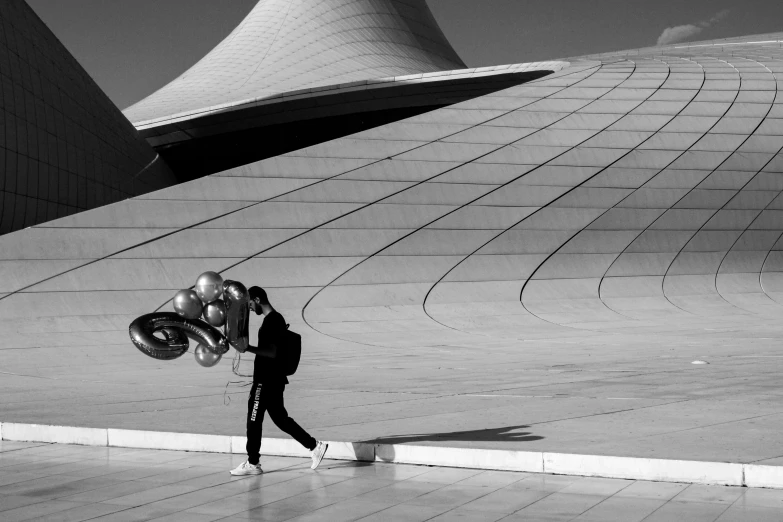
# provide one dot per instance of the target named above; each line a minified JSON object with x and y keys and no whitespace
{"x":235,"y":365}
{"x":226,"y":396}
{"x":235,"y":369}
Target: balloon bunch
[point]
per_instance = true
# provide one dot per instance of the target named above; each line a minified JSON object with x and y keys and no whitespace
{"x":165,"y":335}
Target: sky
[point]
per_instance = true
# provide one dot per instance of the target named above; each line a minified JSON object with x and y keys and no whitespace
{"x":133,"y":47}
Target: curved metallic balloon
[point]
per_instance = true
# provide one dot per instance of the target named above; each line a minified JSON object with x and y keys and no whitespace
{"x":215,"y":313}
{"x":209,"y":286}
{"x":236,"y":298}
{"x":174,"y":337}
{"x":142,"y":333}
{"x":187,"y":304}
{"x":176,"y":330}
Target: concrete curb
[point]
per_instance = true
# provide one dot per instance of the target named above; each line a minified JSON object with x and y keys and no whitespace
{"x":660,"y":470}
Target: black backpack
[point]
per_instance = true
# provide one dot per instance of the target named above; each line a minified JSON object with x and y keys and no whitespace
{"x":288,"y":357}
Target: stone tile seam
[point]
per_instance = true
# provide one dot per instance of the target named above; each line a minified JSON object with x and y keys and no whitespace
{"x":631,"y":468}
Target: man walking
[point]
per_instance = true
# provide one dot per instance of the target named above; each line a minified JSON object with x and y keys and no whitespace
{"x":269,"y":382}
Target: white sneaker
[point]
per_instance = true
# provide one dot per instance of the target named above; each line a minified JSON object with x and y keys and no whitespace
{"x":318,"y":454}
{"x":246,"y":468}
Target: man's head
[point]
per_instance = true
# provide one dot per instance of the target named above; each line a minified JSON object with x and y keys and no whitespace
{"x":258,"y":299}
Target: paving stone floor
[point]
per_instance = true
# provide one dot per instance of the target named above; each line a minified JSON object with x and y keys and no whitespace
{"x":74,"y":483}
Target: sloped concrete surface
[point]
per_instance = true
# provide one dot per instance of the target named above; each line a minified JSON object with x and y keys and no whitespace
{"x":535,"y":269}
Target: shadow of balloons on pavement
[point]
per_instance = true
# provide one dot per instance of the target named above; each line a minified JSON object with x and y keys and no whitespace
{"x":505,"y":434}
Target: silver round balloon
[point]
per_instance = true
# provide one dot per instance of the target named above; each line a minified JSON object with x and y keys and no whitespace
{"x":187,"y":304}
{"x":209,"y":286}
{"x":205,"y":357}
{"x":215,"y":313}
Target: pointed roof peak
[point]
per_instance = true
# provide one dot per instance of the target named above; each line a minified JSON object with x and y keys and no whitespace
{"x":285,"y":45}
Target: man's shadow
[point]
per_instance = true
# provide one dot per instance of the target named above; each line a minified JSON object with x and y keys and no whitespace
{"x":506,"y":434}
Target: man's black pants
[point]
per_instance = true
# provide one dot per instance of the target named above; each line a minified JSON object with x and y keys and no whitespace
{"x":269,"y":397}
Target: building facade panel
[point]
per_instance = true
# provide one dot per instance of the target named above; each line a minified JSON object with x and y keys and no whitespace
{"x":64,"y":146}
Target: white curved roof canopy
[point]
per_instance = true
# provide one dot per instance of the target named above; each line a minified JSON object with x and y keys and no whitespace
{"x":285,"y":45}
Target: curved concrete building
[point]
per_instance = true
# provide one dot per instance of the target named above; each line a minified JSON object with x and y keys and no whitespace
{"x":64,"y":146}
{"x":290,"y":45}
{"x":550,"y":257}
{"x":299,"y":72}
